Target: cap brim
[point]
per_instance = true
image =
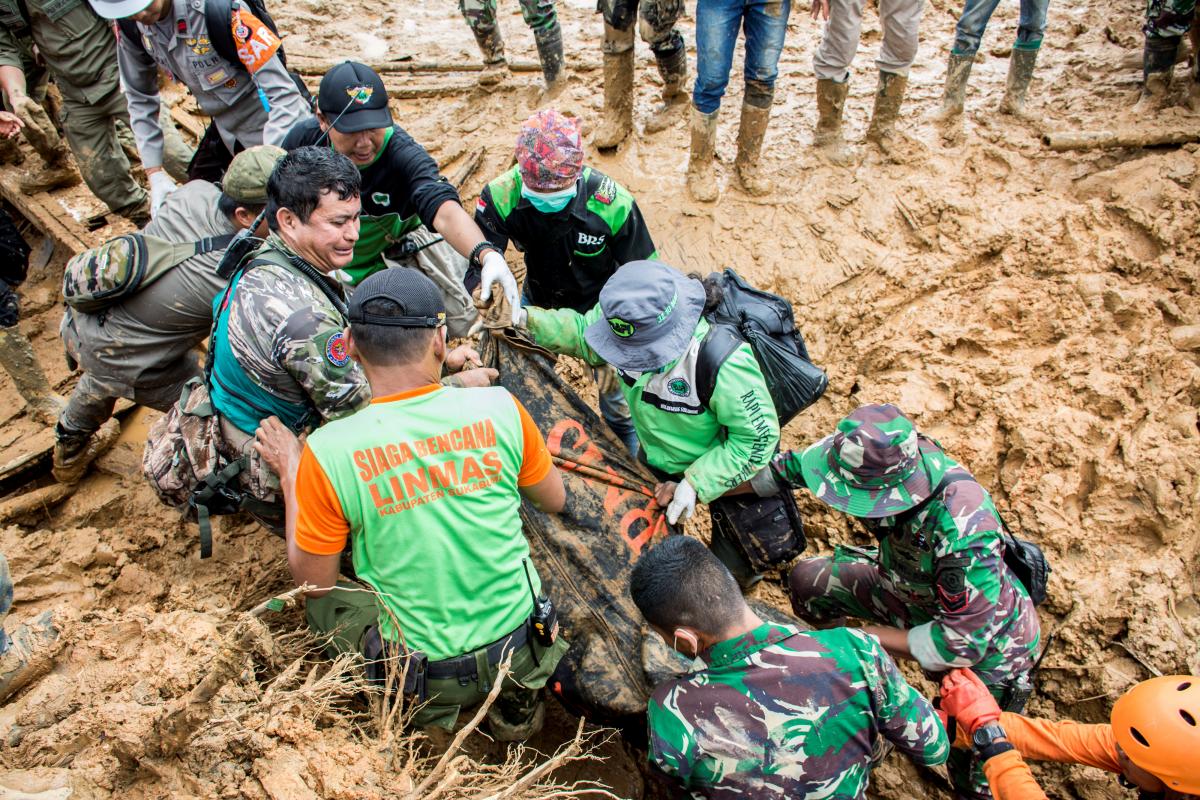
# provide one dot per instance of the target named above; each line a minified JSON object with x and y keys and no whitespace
{"x":835,"y":492}
{"x":642,"y":356}
{"x":120,"y":9}
{"x":364,"y":119}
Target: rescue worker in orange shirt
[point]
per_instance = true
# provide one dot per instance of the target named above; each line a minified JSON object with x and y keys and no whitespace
{"x":1153,"y":741}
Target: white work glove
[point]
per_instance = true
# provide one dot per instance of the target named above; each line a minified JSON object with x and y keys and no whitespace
{"x":495,"y":270}
{"x":683,"y":503}
{"x":161,"y":185}
{"x":520,"y":318}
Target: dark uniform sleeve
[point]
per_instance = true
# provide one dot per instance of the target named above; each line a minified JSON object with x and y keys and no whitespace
{"x":633,"y":242}
{"x":301,"y":134}
{"x":489,"y":220}
{"x":418,"y":172}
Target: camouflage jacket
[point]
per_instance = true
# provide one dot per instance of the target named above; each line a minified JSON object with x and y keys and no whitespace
{"x":946,"y":563}
{"x":281,"y":333}
{"x":780,"y":713}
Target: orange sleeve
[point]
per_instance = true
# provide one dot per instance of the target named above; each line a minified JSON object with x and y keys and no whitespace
{"x":535,"y":457}
{"x":321,"y":527}
{"x":1068,"y":742}
{"x":1009,"y":778}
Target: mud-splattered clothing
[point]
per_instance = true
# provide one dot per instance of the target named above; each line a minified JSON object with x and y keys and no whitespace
{"x":279,"y":348}
{"x":80,"y":53}
{"x":571,"y":254}
{"x":539,"y":15}
{"x":717,"y":25}
{"x":143,"y":348}
{"x":1031,"y":25}
{"x":656,"y":24}
{"x":1169,"y":18}
{"x":781,"y":713}
{"x":252,"y":102}
{"x":716,"y":447}
{"x":940,"y":575}
{"x":900,"y":21}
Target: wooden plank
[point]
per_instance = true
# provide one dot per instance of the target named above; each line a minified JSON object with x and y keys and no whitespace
{"x":46,"y":215}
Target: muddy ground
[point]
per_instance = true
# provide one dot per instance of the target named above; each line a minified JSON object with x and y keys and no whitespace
{"x":1032,"y":310}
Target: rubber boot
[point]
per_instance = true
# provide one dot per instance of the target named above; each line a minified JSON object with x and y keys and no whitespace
{"x":702,"y":172}
{"x":495,"y":67}
{"x":756,"y":113}
{"x":674,"y":70}
{"x":827,"y":138}
{"x":74,"y":452}
{"x":28,"y":655}
{"x":511,"y":720}
{"x":19,"y":361}
{"x":40,"y":132}
{"x":550,"y":53}
{"x":889,"y":97}
{"x":1020,"y":73}
{"x":618,"y":88}
{"x":954,"y":95}
{"x":1158,"y":62}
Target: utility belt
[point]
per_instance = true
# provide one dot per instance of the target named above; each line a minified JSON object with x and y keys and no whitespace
{"x":389,"y":666}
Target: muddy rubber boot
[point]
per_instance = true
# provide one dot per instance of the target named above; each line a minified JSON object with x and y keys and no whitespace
{"x":1020,"y":73}
{"x":550,"y":53}
{"x":756,"y":113}
{"x":138,"y":213}
{"x":827,"y":138}
{"x":59,"y":177}
{"x":512,"y":720}
{"x":618,"y":89}
{"x":19,"y":361}
{"x":1158,"y":62}
{"x":75,"y":452}
{"x":674,"y":70}
{"x":702,"y":171}
{"x":28,"y":655}
{"x":889,"y":97}
{"x":954,"y":96}
{"x":495,"y":67}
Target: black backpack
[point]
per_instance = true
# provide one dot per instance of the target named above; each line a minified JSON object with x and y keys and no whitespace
{"x":765,"y":322}
{"x":1023,"y":558}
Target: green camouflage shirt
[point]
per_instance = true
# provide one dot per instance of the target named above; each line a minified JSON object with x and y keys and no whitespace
{"x":781,"y":713}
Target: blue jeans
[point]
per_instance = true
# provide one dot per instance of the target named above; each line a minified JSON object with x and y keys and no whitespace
{"x":976,"y":13}
{"x":717,"y":25}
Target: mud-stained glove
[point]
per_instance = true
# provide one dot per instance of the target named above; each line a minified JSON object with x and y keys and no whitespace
{"x":495,"y":270}
{"x":968,"y":700}
{"x":683,"y":503}
{"x":161,"y":185}
{"x":607,"y":380}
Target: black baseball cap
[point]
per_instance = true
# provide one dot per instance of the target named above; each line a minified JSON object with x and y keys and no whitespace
{"x":353,"y":98}
{"x":420,"y":303}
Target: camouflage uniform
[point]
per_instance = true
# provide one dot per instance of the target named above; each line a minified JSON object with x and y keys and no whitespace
{"x":781,"y":713}
{"x":656,"y":24}
{"x":539,"y":15}
{"x":939,"y":573}
{"x":1169,"y":18}
{"x":80,"y":52}
{"x":281,"y":351}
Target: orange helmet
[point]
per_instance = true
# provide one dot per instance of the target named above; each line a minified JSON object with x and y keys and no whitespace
{"x":1157,"y":724}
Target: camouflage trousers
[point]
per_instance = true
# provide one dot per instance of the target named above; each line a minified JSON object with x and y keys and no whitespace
{"x":91,"y":130}
{"x":345,"y":615}
{"x":91,"y":402}
{"x":852,"y":584}
{"x":481,"y":15}
{"x":1169,"y":18}
{"x":656,"y":25}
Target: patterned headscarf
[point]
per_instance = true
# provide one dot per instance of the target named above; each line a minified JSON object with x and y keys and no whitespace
{"x":549,"y":151}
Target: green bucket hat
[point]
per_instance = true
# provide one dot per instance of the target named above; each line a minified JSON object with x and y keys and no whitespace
{"x":875,"y":465}
{"x":246,"y":179}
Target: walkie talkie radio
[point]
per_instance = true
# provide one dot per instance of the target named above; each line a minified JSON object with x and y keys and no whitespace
{"x":544,"y":619}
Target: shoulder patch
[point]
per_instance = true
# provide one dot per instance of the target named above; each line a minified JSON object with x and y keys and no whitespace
{"x":255,"y":43}
{"x":606,"y":191}
{"x":336,"y":351}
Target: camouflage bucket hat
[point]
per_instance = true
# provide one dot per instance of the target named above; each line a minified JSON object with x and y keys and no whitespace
{"x":874,"y":465}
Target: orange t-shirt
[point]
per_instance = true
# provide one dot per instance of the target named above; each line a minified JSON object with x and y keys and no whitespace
{"x":321,"y":526}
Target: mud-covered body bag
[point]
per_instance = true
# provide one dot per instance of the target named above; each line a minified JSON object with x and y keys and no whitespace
{"x":105,"y":275}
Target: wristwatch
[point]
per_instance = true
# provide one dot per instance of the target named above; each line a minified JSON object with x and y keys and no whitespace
{"x":990,"y":740}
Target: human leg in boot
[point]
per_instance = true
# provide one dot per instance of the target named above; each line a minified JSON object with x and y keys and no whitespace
{"x":1158,"y":62}
{"x":672,"y":65}
{"x":1020,"y":72}
{"x":827,"y":138}
{"x":756,"y":113}
{"x":18,"y":359}
{"x":889,"y":97}
{"x":91,"y":130}
{"x":481,"y":17}
{"x":954,"y":95}
{"x":702,"y":171}
{"x":550,"y":49}
{"x":74,"y":452}
{"x":617,"y":121}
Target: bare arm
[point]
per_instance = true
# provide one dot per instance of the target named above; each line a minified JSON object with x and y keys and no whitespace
{"x":457,"y":227}
{"x":894,"y":640}
{"x":549,"y":494}
{"x":12,"y":83}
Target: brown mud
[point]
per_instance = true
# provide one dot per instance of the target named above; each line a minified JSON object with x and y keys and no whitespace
{"x":1035,"y":311}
